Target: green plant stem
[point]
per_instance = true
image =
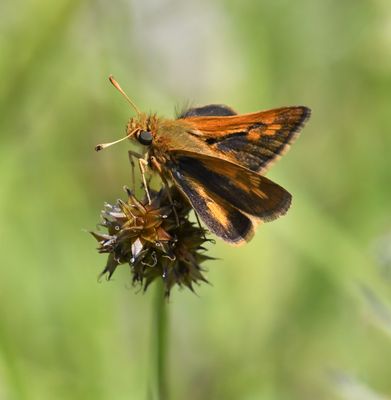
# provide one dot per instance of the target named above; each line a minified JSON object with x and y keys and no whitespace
{"x":159,"y":341}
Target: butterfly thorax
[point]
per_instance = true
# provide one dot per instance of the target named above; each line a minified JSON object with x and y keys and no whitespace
{"x":161,"y":137}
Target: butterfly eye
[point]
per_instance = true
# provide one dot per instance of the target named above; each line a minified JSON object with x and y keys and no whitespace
{"x":145,"y":138}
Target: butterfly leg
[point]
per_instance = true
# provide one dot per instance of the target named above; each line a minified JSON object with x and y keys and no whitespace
{"x":158,"y":167}
{"x":142,"y":163}
{"x":132,"y":155}
{"x":199,"y":224}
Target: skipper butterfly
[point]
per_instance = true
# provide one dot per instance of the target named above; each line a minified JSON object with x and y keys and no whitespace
{"x":218,"y":159}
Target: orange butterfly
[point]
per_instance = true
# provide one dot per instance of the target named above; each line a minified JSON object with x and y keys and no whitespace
{"x":217,"y":159}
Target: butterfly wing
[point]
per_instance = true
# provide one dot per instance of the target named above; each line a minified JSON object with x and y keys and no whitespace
{"x":211,"y":110}
{"x":229,"y":199}
{"x":253,"y":140}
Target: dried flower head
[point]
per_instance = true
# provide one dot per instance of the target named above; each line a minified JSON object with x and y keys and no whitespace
{"x":157,"y":240}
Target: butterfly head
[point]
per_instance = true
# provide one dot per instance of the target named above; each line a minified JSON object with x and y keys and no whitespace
{"x":142,"y":127}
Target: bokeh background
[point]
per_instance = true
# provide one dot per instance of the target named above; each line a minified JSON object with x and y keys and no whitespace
{"x":301,"y":312}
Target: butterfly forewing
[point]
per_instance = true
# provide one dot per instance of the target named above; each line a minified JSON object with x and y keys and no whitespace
{"x":211,"y":110}
{"x":253,"y":140}
{"x":221,"y":218}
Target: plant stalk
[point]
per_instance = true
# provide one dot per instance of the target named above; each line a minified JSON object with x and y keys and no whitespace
{"x":159,"y":344}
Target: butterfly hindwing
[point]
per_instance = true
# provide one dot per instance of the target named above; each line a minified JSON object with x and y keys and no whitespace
{"x":228,"y":198}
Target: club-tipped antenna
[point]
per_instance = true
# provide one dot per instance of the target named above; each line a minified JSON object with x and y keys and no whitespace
{"x":103,"y":146}
{"x":118,"y":87}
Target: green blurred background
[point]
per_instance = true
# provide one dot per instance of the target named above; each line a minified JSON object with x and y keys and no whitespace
{"x":301,"y":312}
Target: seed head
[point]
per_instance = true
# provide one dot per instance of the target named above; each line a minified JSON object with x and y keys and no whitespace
{"x":156,"y":240}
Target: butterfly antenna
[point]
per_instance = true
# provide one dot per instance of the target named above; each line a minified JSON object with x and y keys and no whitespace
{"x":118,"y":87}
{"x":103,"y":146}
